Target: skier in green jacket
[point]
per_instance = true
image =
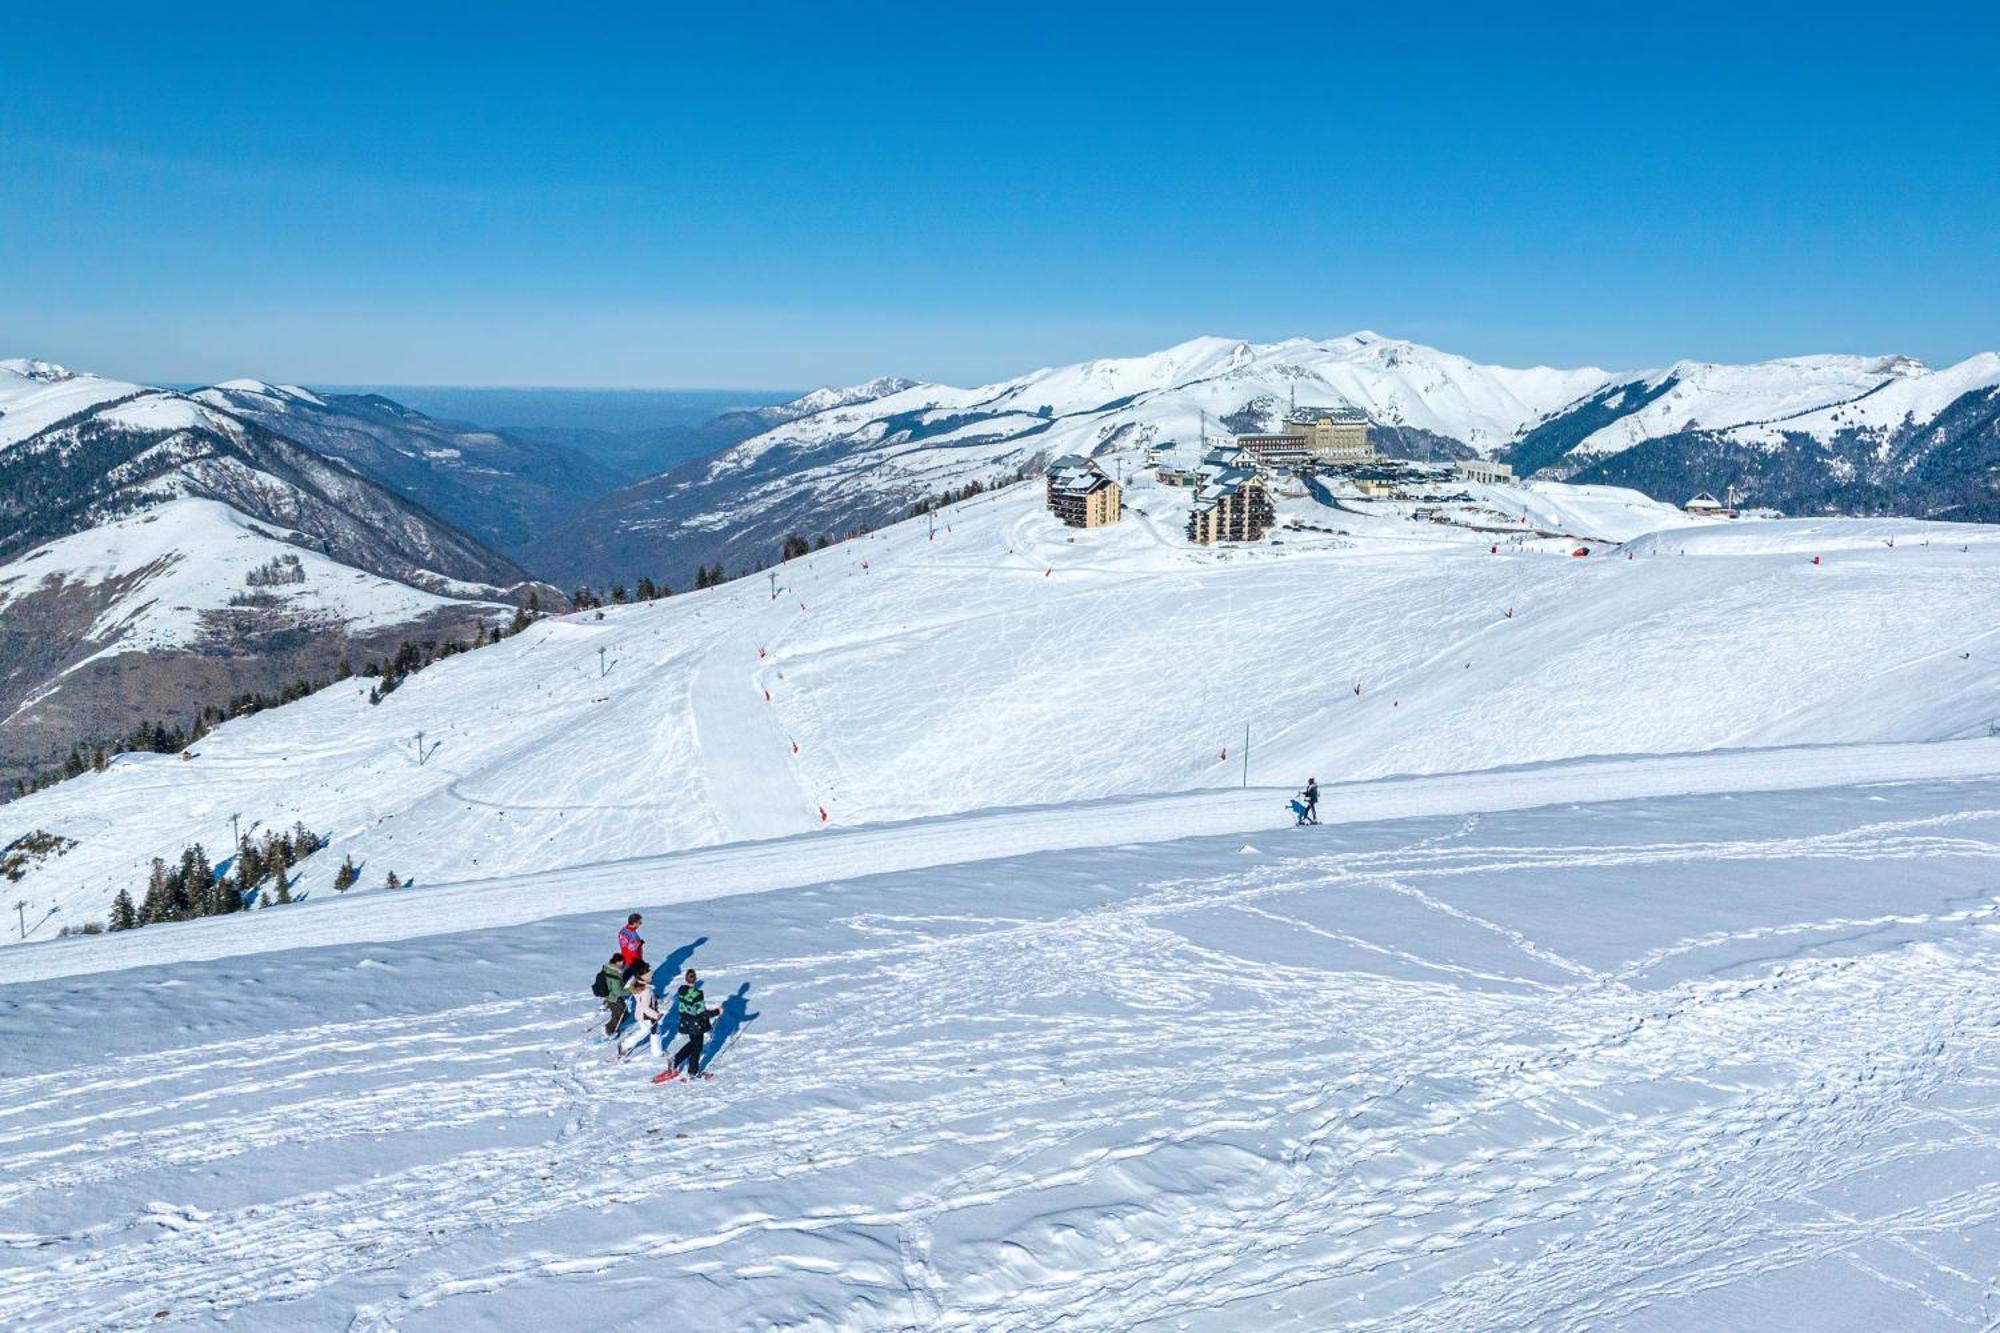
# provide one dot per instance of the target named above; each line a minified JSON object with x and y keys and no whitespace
{"x":615,"y":993}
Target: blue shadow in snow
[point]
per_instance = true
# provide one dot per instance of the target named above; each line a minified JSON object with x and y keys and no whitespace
{"x":735,"y":1013}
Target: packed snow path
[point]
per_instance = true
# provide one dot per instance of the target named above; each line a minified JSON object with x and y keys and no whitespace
{"x":1708,"y":1061}
{"x":620,"y":883}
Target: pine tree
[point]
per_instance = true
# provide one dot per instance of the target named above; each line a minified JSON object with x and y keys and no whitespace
{"x":123,"y":915}
{"x":344,"y":878}
{"x":249,"y":866}
{"x":197,"y":890}
{"x":158,"y":902}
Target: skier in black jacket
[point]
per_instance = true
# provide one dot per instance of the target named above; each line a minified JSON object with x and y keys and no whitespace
{"x":696,"y":1019}
{"x":1311,"y":795}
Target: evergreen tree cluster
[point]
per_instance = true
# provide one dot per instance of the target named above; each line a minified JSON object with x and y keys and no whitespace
{"x":191,"y":887}
{"x":645,"y":590}
{"x":948,"y":496}
{"x":187,"y":889}
{"x":23,"y":854}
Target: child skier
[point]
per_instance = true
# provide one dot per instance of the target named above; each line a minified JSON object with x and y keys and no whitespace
{"x":695,"y":1020}
{"x":645,"y":1016}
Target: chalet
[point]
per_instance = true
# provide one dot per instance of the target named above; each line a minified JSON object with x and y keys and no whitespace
{"x":1233,"y":504}
{"x":1706,"y":506}
{"x":1081,"y":494}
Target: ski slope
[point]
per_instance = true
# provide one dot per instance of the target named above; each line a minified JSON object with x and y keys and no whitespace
{"x":1696,"y":1061}
{"x":1007,"y":662}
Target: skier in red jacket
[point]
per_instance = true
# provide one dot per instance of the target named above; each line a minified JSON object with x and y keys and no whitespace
{"x":631,"y":944}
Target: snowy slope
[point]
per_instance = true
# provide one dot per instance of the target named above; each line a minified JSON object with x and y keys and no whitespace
{"x":133,"y":522}
{"x":1769,"y":394}
{"x":179,"y":564}
{"x":36,"y":394}
{"x":872,"y":452}
{"x":502,"y":489}
{"x":1706,"y":1062}
{"x":1009,"y":661}
{"x":868,"y":460}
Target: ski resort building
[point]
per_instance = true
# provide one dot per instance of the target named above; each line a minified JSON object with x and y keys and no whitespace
{"x":1705,"y":505}
{"x":1312,"y":435}
{"x":1484,"y":470}
{"x":1081,"y":494}
{"x":1233,"y":504}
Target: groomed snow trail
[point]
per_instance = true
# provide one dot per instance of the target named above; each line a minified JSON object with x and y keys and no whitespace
{"x":617,"y":884}
{"x":1665,"y":1063}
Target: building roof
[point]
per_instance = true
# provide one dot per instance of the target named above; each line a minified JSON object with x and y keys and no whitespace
{"x":1703,"y":501}
{"x":1076,"y":475}
{"x":1221,"y":483}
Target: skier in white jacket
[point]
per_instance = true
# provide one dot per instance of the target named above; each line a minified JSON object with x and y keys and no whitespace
{"x":645,"y":1015}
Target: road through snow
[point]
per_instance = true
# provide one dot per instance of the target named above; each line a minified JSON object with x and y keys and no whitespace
{"x":613,"y":884}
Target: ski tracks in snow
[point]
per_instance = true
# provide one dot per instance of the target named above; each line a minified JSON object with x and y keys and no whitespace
{"x":1244,"y":1096}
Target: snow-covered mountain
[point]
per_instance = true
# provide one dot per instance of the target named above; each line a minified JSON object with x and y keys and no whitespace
{"x":1814,"y":434}
{"x":505,"y":490}
{"x":1043,"y":1014}
{"x":1826,"y":433}
{"x":1007,"y":660}
{"x":160,"y":553}
{"x":865,"y":455}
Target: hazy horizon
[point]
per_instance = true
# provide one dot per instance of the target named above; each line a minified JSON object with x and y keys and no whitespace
{"x":960,"y":196}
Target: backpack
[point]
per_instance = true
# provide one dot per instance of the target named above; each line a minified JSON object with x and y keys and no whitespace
{"x":599,"y":987}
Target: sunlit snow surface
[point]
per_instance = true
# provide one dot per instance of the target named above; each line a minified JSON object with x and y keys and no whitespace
{"x":1700,"y":1037}
{"x":1720,"y":1061}
{"x":1009,"y":661}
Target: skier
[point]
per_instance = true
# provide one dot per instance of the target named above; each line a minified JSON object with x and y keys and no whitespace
{"x":696,"y":1018}
{"x":631,"y":944}
{"x":1311,"y":794}
{"x":645,"y":1016}
{"x":613,"y":978}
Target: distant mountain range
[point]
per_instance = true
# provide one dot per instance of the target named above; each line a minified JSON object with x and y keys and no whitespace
{"x":506,"y":491}
{"x":161,"y":552}
{"x":134,"y":519}
{"x":1805,"y":434}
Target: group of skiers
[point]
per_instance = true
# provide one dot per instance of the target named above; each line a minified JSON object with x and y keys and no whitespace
{"x":625,"y":984}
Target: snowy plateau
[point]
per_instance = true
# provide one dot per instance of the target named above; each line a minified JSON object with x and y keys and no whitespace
{"x":1643,"y":974}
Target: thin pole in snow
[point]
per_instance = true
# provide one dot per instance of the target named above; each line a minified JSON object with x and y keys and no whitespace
{"x":236,"y":830}
{"x":21,"y":912}
{"x":1246,"y":755}
{"x":601,"y":668}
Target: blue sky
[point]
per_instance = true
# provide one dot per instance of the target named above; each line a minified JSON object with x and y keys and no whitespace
{"x":648,"y":195}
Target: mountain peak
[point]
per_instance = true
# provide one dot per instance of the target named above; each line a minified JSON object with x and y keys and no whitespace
{"x":47,"y":372}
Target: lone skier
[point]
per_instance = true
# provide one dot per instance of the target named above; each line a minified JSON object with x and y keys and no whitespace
{"x":695,"y":1020}
{"x":612,"y":979}
{"x":1311,"y":797}
{"x":631,"y":944}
